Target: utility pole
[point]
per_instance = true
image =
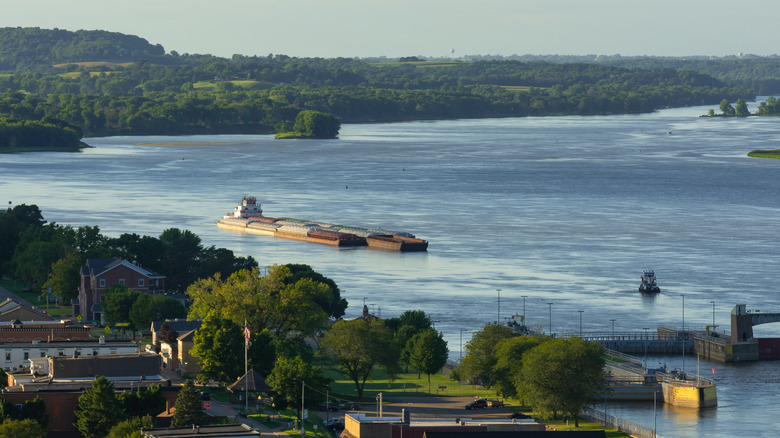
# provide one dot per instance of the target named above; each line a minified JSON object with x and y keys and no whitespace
{"x":498,"y":314}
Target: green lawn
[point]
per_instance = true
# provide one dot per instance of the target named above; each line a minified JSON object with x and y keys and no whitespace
{"x":405,"y":385}
{"x":773,"y":153}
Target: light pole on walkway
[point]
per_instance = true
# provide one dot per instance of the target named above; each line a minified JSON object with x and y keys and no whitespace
{"x":550,"y":304}
{"x":498,"y":313}
{"x":524,"y":297}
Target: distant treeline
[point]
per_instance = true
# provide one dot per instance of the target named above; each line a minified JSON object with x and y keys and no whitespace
{"x":38,"y":134}
{"x":162,"y":93}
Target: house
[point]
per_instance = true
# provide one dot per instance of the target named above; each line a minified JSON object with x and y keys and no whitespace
{"x":189,"y":365}
{"x":99,"y":275}
{"x":180,"y":326}
{"x":11,"y":310}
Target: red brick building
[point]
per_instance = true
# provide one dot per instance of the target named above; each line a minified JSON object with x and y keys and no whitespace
{"x":99,"y":275}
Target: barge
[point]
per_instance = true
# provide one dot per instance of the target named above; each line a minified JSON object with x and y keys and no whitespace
{"x":248,"y":217}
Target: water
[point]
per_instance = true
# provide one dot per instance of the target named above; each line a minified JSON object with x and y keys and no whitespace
{"x":565,"y":210}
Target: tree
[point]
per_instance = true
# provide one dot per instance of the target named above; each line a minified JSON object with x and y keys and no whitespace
{"x":98,"y":409}
{"x":741,"y":109}
{"x":117,"y":302}
{"x":265,"y":302}
{"x":480,"y":357}
{"x":726,"y":108}
{"x":429,"y":353}
{"x":148,"y":308}
{"x":336,"y":306}
{"x":316,"y":124}
{"x":358,"y":345}
{"x":131,"y":428}
{"x":285,"y":380}
{"x":509,"y":355}
{"x":189,"y":407}
{"x":65,"y":276}
{"x":180,"y":259}
{"x":562,"y":375}
{"x":26,"y":428}
{"x":217,"y":344}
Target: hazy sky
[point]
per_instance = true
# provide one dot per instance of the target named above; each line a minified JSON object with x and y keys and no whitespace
{"x":363,"y":28}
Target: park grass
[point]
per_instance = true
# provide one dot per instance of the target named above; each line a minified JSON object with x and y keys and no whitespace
{"x":404,"y":385}
{"x":584,"y":426}
{"x":770,"y":153}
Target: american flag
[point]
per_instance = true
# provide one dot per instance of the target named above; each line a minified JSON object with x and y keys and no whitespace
{"x":246,"y":332}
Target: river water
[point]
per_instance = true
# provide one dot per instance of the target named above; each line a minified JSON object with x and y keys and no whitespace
{"x":561,"y":210}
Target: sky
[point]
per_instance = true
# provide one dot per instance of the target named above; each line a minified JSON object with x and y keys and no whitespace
{"x":428,"y":28}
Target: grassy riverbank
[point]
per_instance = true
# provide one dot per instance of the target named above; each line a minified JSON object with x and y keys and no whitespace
{"x":770,"y":153}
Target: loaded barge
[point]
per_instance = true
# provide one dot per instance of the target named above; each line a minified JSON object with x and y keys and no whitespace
{"x":248,"y":217}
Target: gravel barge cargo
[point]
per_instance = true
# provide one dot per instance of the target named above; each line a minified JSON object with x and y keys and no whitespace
{"x":248,"y":217}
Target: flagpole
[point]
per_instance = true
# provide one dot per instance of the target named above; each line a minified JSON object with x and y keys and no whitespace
{"x":246,"y":378}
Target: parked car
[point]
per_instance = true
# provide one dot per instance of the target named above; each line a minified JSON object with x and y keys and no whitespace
{"x":334,"y":424}
{"x":349,"y":406}
{"x":331,"y":407}
{"x":479,"y":403}
{"x":518,"y":415}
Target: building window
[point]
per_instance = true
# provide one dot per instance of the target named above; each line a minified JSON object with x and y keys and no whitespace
{"x":102,"y":282}
{"x":121,"y":281}
{"x":43,"y":354}
{"x":7,"y":356}
{"x":26,"y":355}
{"x":140,"y":282}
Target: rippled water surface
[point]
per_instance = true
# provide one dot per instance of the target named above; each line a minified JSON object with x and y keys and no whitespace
{"x":564,"y":210}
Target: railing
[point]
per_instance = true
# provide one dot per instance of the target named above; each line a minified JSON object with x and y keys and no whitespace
{"x":619,"y":424}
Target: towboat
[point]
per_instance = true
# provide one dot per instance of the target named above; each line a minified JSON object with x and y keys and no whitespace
{"x":648,"y":285}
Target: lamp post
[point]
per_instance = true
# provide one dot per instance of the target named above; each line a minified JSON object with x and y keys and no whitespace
{"x":683,"y":334}
{"x":580,"y":311}
{"x":461,"y":345}
{"x":303,"y":429}
{"x":550,"y":305}
{"x":524,"y":297}
{"x":498,"y":313}
{"x":713,"y":315}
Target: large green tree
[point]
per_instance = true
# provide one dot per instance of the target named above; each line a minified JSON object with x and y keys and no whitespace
{"x":131,"y":428}
{"x":359,"y":345}
{"x":265,"y":302}
{"x":509,"y":355}
{"x":26,"y":428}
{"x":117,"y":302}
{"x":562,"y":375}
{"x":287,"y":379}
{"x":219,"y":344}
{"x":480,"y":356}
{"x":429,"y":353}
{"x":98,"y":409}
{"x":189,"y":407}
{"x":316,"y":124}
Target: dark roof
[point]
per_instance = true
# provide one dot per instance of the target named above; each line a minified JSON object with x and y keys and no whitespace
{"x":224,"y":430}
{"x":180,"y":326}
{"x":99,"y":266}
{"x":255,"y":381}
{"x":109,"y":365}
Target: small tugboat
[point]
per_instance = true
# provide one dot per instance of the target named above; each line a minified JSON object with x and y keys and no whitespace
{"x":648,"y":285}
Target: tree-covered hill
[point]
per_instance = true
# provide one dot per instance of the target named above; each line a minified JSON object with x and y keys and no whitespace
{"x":35,"y":49}
{"x":159,"y":93}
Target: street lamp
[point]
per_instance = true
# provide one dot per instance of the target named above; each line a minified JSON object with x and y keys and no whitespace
{"x":461,"y":344}
{"x":498,"y":313}
{"x":303,"y":431}
{"x":713,"y":315}
{"x":524,"y":297}
{"x":550,"y":304}
{"x":580,"y":322}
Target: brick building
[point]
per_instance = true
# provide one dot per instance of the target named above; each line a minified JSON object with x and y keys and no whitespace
{"x":99,"y":275}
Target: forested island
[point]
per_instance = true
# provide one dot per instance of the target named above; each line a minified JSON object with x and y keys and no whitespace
{"x":106,"y":83}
